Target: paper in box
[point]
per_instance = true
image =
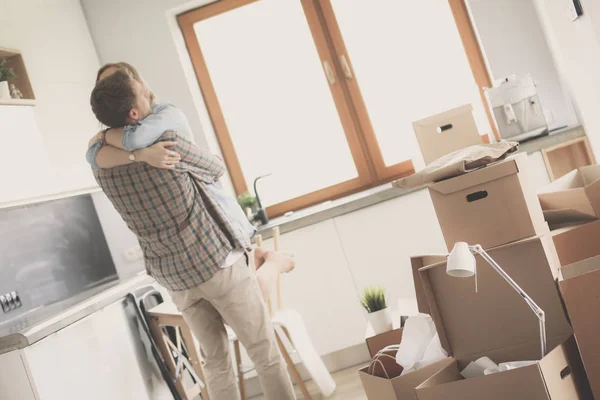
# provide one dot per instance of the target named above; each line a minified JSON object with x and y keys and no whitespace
{"x":496,"y":322}
{"x":491,"y":206}
{"x":579,"y":284}
{"x":573,"y":198}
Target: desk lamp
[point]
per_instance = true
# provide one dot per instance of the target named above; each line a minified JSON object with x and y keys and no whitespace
{"x":462,"y":264}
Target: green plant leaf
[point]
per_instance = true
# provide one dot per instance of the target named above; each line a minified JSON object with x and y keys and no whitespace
{"x":5,"y":72}
{"x":373,"y":299}
{"x":247,"y":200}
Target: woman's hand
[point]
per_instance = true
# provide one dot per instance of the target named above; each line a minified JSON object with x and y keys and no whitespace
{"x":159,"y":155}
{"x":95,"y":138}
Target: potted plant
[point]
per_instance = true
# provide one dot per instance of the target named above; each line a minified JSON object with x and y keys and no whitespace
{"x":5,"y":74}
{"x":248,"y":203}
{"x":374,"y":301}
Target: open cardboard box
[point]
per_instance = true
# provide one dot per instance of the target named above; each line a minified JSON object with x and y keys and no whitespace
{"x":577,"y":243}
{"x":418,"y":262}
{"x":497,"y":323}
{"x":446,"y":132}
{"x":491,"y":206}
{"x":378,"y":342}
{"x":572,"y":198}
{"x":400,"y":387}
{"x":579,"y":283}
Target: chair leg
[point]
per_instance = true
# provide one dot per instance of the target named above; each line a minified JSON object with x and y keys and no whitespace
{"x":238,"y":364}
{"x":159,"y":338}
{"x":194,"y":358}
{"x":293,"y":369}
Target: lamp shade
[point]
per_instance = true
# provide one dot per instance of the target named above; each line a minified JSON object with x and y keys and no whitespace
{"x":461,"y":262}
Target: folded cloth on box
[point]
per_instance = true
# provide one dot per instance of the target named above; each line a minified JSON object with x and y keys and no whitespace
{"x":458,"y":163}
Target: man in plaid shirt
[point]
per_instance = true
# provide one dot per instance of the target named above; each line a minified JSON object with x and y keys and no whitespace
{"x":195,"y":238}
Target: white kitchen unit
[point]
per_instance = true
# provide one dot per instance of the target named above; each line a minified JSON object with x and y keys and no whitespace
{"x":14,"y":378}
{"x":321,"y":288}
{"x":98,"y":357}
{"x":378,"y":242}
{"x":25,"y":170}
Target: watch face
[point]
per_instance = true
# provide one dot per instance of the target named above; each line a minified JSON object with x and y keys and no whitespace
{"x":132,"y":157}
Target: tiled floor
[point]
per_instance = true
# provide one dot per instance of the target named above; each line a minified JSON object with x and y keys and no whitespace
{"x":348,"y":387}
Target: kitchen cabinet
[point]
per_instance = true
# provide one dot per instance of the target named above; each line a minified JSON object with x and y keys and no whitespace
{"x":43,"y":145}
{"x":378,"y":242}
{"x":97,"y":358}
{"x":25,"y":169}
{"x":538,"y":173}
{"x":14,"y":381}
{"x":321,"y":288}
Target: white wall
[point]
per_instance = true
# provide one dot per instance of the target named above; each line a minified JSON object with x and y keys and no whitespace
{"x":514,"y":43}
{"x":61,"y":62}
{"x":576,"y":49}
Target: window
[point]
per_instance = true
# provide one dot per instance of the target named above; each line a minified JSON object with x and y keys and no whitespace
{"x":321,"y":94}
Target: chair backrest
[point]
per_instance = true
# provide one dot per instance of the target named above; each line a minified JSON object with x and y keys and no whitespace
{"x":276,"y":247}
{"x":145,"y":299}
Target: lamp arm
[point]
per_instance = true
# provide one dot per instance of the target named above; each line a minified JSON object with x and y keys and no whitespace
{"x":532,"y":304}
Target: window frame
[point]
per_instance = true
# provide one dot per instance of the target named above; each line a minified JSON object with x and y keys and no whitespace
{"x":346,"y":94}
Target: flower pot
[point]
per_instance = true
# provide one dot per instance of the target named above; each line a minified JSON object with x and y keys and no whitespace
{"x":4,"y":90}
{"x":381,"y":321}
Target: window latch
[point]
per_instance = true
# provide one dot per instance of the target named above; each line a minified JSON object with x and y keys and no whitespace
{"x":346,"y":67}
{"x":329,"y":72}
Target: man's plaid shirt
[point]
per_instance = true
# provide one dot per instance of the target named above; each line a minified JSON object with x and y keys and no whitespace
{"x":183,"y":232}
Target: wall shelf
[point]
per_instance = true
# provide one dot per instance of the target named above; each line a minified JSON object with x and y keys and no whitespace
{"x":21,"y":81}
{"x":17,"y":102}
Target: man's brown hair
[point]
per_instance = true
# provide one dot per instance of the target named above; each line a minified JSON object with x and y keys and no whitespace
{"x":113,"y":98}
{"x":121,"y":66}
{"x":129,"y":70}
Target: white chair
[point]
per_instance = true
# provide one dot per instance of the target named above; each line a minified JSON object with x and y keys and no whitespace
{"x":293,"y":339}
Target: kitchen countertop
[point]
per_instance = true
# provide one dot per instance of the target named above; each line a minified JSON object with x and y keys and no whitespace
{"x":36,"y":324}
{"x":370,"y":197}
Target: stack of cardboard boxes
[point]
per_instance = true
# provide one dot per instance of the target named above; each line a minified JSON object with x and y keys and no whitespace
{"x":497,"y":208}
{"x":576,"y":197}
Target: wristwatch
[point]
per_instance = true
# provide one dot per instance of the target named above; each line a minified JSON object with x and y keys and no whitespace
{"x":132,"y":157}
{"x":103,"y":143}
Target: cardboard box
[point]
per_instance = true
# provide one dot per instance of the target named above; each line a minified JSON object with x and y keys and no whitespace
{"x":577,"y":243}
{"x":378,"y":342}
{"x":579,"y":283}
{"x":400,"y":387}
{"x":491,"y":206}
{"x":496,"y":322}
{"x":447,"y":132}
{"x":418,"y":262}
{"x":574,"y":197}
